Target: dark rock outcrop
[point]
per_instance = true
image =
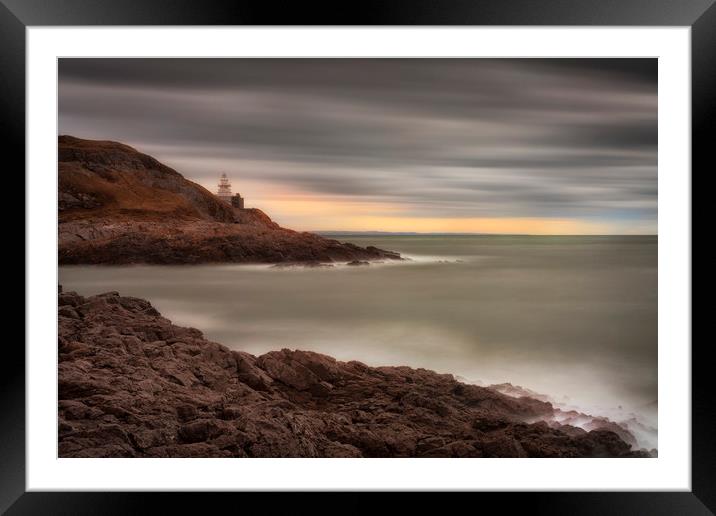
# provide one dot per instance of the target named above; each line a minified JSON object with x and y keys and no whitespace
{"x":358,"y":263}
{"x":569,"y":418}
{"x":119,"y":206}
{"x":132,"y":384}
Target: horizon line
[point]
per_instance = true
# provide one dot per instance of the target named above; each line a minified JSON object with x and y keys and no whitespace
{"x":373,"y":232}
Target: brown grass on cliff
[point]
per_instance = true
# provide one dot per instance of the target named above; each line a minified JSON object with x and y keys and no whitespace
{"x":102,"y":179}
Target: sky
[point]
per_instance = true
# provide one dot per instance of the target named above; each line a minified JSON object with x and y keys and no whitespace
{"x":536,"y":146}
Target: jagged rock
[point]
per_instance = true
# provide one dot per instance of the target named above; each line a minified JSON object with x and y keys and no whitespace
{"x":160,"y":390}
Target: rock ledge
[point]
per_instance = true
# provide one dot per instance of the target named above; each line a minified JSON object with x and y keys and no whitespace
{"x":132,"y":384}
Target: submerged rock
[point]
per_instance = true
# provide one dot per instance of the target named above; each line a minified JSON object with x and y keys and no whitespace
{"x":302,"y":265}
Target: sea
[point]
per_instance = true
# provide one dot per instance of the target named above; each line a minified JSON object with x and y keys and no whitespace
{"x":571,"y":317}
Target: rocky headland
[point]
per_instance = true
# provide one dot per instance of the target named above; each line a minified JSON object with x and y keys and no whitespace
{"x":132,"y":384}
{"x":119,"y":206}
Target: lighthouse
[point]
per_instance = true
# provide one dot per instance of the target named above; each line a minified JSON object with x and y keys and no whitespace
{"x":224,"y":193}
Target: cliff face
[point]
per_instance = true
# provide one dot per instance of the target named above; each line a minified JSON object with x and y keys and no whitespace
{"x":132,"y":384}
{"x":119,"y":206}
{"x":109,"y":180}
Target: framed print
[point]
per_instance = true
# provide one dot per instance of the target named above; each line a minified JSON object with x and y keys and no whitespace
{"x":402,"y":249}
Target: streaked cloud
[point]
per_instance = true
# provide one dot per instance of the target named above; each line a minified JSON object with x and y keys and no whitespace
{"x":398,"y":141}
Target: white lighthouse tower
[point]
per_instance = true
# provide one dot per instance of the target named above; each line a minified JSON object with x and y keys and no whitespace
{"x":224,"y":191}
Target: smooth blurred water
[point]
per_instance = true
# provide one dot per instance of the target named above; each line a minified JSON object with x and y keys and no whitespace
{"x":566,"y":316}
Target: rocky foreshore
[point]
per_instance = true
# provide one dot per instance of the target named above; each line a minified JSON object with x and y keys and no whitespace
{"x":102,"y":241}
{"x":132,"y":384}
{"x":119,"y":206}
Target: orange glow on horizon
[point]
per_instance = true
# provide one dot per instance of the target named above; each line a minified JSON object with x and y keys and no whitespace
{"x":501,"y":225}
{"x":323,"y":215}
{"x":303,"y":211}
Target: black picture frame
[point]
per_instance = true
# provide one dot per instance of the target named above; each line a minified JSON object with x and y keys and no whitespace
{"x":17,"y":15}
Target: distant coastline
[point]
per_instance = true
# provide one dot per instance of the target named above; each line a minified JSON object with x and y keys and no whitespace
{"x":416,"y":233}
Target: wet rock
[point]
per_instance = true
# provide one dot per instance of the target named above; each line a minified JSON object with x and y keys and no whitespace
{"x":312,"y":264}
{"x":358,"y":263}
{"x":132,"y":384}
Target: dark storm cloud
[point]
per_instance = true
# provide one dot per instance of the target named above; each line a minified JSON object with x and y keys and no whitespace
{"x":570,"y":138}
